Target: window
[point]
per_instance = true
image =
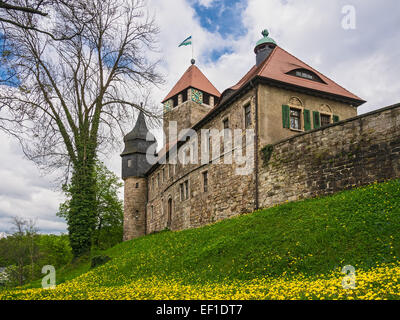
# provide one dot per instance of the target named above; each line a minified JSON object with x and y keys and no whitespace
{"x":163,"y":174}
{"x":247,"y":116}
{"x":181,"y":186}
{"x":226,"y":134}
{"x":152,"y":212}
{"x":169,"y":171}
{"x":325,"y":119}
{"x":187,"y":189}
{"x":205,"y":181}
{"x":184,"y":95}
{"x":305,"y":74}
{"x":129,"y":163}
{"x":137,"y":214}
{"x":184,"y":190}
{"x":295,"y":122}
{"x":209,"y":146}
{"x":226,"y":123}
{"x":175,"y":100}
{"x":158,"y":179}
{"x":206,"y":98}
{"x":137,"y":185}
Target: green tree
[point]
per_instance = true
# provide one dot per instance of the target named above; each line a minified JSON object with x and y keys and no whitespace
{"x":20,"y":250}
{"x":108,"y":210}
{"x":76,"y":94}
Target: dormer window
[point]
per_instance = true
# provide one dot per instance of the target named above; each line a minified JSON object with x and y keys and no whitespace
{"x":306,"y":74}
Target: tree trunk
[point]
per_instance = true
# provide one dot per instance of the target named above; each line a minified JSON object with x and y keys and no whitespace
{"x":81,"y":222}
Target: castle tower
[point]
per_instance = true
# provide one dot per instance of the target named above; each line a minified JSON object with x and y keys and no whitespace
{"x":134,"y":167}
{"x":190,"y":100}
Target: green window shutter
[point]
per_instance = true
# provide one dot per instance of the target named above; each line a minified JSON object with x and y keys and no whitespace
{"x":307,"y":120}
{"x":335,"y":118}
{"x":317,"y":120}
{"x":285,"y":116}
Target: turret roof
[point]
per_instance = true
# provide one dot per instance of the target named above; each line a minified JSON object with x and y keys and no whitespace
{"x":194,"y":78}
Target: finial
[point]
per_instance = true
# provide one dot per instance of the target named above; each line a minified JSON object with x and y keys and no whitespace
{"x":265,"y":33}
{"x":192,"y":61}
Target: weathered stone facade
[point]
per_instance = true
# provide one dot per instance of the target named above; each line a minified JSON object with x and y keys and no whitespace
{"x":306,"y":159}
{"x":185,"y":115}
{"x":135,"y":195}
{"x":354,"y":152}
{"x":228,"y":194}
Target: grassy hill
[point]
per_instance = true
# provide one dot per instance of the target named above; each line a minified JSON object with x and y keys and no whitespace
{"x":295,"y":250}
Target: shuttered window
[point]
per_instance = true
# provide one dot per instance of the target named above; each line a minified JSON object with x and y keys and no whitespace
{"x":317,"y":120}
{"x":307,"y":120}
{"x":286,"y":116}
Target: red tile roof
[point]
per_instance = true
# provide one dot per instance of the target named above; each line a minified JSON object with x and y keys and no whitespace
{"x":280,"y":62}
{"x":194,"y":78}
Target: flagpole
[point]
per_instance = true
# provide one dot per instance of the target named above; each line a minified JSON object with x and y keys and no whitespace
{"x":192,"y":48}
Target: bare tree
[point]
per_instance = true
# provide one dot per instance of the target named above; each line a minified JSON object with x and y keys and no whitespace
{"x":30,"y":15}
{"x":76,"y":94}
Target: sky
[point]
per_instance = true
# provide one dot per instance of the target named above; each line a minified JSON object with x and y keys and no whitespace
{"x":361,"y":55}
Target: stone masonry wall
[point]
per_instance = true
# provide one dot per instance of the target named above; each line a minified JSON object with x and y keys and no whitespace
{"x":228,"y":194}
{"x":135,"y":195}
{"x":354,"y":152}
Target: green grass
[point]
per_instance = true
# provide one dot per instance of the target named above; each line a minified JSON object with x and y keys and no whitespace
{"x":357,"y":227}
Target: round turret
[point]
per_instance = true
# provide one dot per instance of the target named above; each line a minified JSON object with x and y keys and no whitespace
{"x":264,"y":47}
{"x":137,"y":144}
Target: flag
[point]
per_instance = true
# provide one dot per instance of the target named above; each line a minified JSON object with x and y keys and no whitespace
{"x":186,"y":42}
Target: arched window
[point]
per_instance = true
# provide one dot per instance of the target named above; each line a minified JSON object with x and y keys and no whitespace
{"x":305,"y":74}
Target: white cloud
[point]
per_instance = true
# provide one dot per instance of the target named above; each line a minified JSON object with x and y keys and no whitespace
{"x":365,"y":61}
{"x":206,"y":3}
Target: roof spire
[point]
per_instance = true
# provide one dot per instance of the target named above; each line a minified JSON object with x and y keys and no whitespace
{"x":264,"y":47}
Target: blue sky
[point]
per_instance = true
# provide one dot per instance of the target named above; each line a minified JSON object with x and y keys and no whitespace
{"x":365,"y":61}
{"x":5,"y":73}
{"x":223,"y":17}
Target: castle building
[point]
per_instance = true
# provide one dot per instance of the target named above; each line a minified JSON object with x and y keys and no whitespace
{"x":279,"y":98}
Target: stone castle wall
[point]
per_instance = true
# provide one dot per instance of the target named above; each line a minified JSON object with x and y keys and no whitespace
{"x":228,"y":194}
{"x":354,"y":152}
{"x":135,"y":199}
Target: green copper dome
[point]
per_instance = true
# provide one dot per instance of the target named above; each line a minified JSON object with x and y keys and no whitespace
{"x":265,"y":38}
